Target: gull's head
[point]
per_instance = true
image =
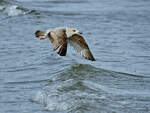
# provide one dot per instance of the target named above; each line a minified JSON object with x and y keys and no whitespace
{"x":70,"y":32}
{"x":42,"y":35}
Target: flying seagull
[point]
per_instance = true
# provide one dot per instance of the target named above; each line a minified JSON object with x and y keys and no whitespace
{"x":60,"y":37}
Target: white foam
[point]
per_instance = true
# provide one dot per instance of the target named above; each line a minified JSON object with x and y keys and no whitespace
{"x":14,"y":11}
{"x":54,"y":105}
{"x":52,"y":101}
{"x":40,"y":97}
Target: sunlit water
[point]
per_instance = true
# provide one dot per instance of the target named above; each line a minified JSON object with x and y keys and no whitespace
{"x":34,"y":79}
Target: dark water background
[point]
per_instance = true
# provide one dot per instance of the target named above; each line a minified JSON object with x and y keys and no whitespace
{"x":34,"y":79}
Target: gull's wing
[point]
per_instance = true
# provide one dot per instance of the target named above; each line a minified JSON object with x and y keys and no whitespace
{"x":80,"y":45}
{"x":59,"y":41}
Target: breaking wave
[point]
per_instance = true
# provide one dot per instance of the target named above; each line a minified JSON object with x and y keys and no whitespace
{"x":14,"y":10}
{"x":84,"y":88}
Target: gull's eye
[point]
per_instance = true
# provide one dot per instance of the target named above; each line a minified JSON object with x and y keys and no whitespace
{"x":74,"y":30}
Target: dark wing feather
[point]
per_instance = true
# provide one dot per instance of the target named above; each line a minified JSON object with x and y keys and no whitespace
{"x":59,"y":40}
{"x":80,"y":45}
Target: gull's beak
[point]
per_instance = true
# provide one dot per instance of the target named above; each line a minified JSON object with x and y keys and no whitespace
{"x":40,"y":34}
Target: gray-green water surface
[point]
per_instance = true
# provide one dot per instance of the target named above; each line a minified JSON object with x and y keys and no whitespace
{"x":34,"y":79}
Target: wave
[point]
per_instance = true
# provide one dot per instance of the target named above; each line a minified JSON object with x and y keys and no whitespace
{"x":14,"y":10}
{"x":89,"y":89}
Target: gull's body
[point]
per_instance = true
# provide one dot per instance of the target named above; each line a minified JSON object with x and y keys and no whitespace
{"x":60,"y":37}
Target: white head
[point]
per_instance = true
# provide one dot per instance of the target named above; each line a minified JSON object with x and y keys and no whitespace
{"x":70,"y":32}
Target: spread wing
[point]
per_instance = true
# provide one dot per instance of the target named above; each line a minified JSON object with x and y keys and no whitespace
{"x":59,"y":41}
{"x":80,"y":45}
